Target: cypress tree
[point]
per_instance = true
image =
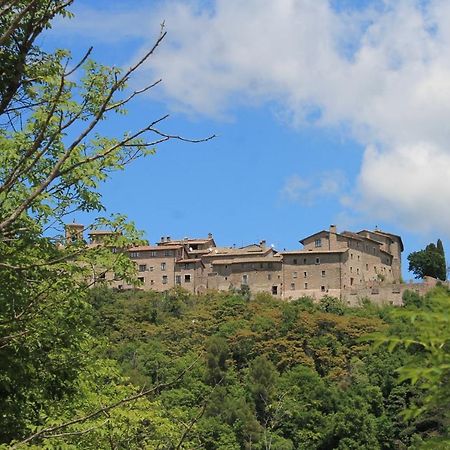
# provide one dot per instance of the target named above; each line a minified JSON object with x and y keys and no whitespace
{"x":440,"y":249}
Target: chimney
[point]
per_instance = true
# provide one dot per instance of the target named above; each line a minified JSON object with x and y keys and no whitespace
{"x":209,"y":235}
{"x":332,"y":238}
{"x":168,"y":238}
{"x":163,"y":239}
{"x":262,"y":243}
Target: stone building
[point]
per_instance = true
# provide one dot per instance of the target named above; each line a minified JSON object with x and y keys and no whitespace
{"x":329,"y":263}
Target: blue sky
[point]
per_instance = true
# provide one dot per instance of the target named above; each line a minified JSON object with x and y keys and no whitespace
{"x":325,"y":112}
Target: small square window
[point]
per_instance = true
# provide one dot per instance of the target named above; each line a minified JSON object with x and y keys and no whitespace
{"x":269,"y":276}
{"x":323,"y":273}
{"x":142,"y":267}
{"x":165,"y":279}
{"x":295,"y":261}
{"x":244,"y":279}
{"x":141,"y":279}
{"x":292,"y":286}
{"x":294,"y":274}
{"x":306,"y":285}
{"x":317,"y":260}
{"x":322,"y":288}
{"x":187,"y":278}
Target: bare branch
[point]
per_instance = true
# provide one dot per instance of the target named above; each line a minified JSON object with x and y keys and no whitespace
{"x":83,"y":59}
{"x":140,"y":91}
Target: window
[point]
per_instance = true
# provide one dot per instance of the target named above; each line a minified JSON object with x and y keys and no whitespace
{"x":187,"y":278}
{"x":367,"y":266}
{"x":163,"y":266}
{"x":186,"y":266}
{"x":318,"y":243}
{"x":261,"y":266}
{"x":358,"y":257}
{"x":323,"y":273}
{"x":294,"y":274}
{"x":152,"y":282}
{"x":164,"y":279}
{"x":304,"y":260}
{"x":295,"y":261}
{"x":317,"y":260}
{"x":134,"y":254}
{"x":351,"y":281}
{"x":351,"y":255}
{"x":152,"y":253}
{"x":141,"y":279}
{"x":274,"y":290}
{"x":151,"y":268}
{"x":270,"y":265}
{"x":114,"y":250}
{"x":374,"y":250}
{"x":269,"y":276}
{"x":244,"y":279}
{"x":178,"y":279}
{"x":357,"y":270}
{"x":292,"y":286}
{"x":306,"y":285}
{"x":167,"y":253}
{"x":305,"y":274}
{"x":142,"y":267}
{"x":322,"y":288}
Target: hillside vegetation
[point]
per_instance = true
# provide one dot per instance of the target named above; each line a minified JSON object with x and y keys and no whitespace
{"x":221,"y":371}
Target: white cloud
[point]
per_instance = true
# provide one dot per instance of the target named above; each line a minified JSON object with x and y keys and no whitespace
{"x":308,"y":190}
{"x":382,"y":72}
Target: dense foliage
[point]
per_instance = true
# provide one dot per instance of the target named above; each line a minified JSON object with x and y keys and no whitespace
{"x":225,"y":372}
{"x":429,"y":262}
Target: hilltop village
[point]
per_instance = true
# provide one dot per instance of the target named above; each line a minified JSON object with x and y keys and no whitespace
{"x":345,"y":264}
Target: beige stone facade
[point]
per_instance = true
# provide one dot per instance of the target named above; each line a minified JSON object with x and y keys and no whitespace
{"x":340,"y":264}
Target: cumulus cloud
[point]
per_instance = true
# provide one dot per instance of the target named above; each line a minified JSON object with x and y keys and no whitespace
{"x":382,"y":72}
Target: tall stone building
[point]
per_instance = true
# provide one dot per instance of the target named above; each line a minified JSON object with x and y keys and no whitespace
{"x":329,"y":263}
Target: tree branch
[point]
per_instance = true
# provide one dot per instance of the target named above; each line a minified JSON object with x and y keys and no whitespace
{"x":105,"y":409}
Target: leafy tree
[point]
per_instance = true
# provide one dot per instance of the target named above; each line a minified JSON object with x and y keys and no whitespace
{"x":216,"y":359}
{"x":427,"y":337}
{"x":440,"y":249}
{"x":52,"y":162}
{"x":428,"y":262}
